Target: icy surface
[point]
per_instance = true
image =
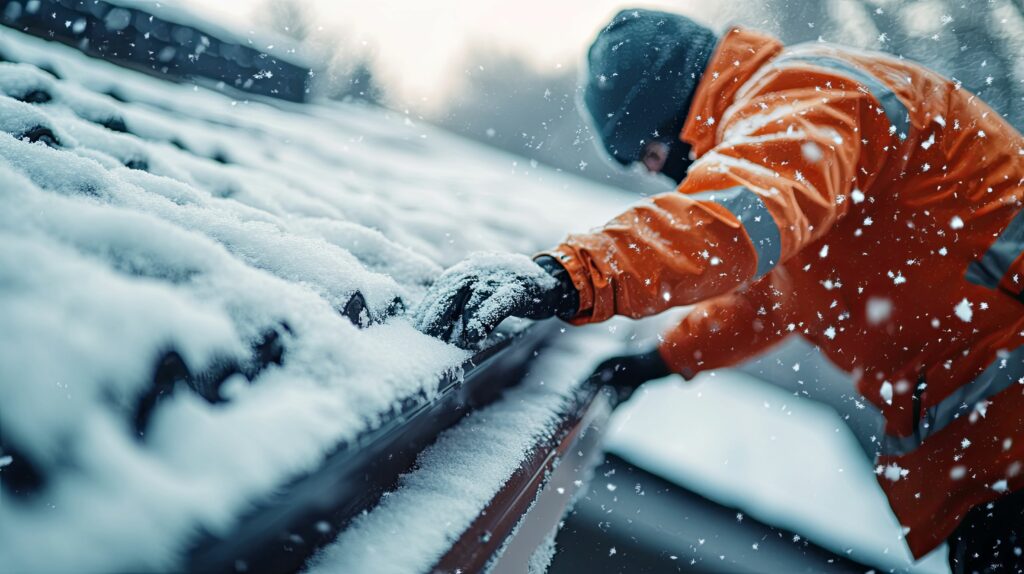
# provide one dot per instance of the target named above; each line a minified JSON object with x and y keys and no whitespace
{"x":457,"y":476}
{"x":785,"y":460}
{"x":172,"y":218}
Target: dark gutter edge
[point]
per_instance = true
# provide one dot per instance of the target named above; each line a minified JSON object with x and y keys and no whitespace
{"x":281,"y":532}
{"x":585,"y":412}
{"x":196,"y":54}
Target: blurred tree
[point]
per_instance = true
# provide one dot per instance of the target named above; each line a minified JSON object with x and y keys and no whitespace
{"x":347,"y":72}
{"x":291,"y":18}
{"x":359,"y":84}
{"x":511,"y":105}
{"x":978,"y":43}
{"x":508,"y":103}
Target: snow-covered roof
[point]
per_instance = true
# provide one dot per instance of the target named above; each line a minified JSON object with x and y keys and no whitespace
{"x":155,"y":230}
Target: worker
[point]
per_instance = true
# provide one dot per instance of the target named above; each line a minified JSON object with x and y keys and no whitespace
{"x":858,"y":200}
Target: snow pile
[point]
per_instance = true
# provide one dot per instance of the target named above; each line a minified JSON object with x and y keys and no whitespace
{"x":732,"y":438}
{"x":261,"y":253}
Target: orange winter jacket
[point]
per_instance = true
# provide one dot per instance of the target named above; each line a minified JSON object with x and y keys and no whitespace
{"x":870,"y":206}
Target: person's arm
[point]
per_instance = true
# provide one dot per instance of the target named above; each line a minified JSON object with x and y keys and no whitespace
{"x":725,"y":330}
{"x":781,"y":175}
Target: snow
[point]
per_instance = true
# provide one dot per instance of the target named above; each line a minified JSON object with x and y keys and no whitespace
{"x":458,"y":475}
{"x":964,"y":310}
{"x":730,"y":437}
{"x":173,"y":218}
{"x":541,"y":559}
{"x":878,"y":310}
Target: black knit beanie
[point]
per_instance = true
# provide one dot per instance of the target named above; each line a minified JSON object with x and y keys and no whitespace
{"x":644,"y":67}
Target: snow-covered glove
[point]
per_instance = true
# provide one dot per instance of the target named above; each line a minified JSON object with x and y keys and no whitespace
{"x":627,"y":372}
{"x":469,"y":299}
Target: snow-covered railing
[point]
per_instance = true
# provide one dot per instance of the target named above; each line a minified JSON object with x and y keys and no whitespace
{"x":281,"y":532}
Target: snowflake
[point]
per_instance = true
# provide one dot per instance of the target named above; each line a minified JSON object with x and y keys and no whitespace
{"x":964,"y":310}
{"x":894,"y":472}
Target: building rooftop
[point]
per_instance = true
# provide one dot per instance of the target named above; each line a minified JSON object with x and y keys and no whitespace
{"x":204,"y":296}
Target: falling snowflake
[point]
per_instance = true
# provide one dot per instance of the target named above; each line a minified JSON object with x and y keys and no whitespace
{"x":964,"y":310}
{"x":811,"y":152}
{"x":886,"y":392}
{"x":894,"y":472}
{"x":878,"y":310}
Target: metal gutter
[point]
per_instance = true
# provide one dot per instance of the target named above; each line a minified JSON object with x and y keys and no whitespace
{"x":130,"y":36}
{"x":528,"y":509}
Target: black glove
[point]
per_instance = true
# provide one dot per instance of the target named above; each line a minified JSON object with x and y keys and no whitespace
{"x":627,"y":372}
{"x":469,"y":300}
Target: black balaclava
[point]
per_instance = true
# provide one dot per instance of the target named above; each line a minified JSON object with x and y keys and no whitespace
{"x":643,"y":69}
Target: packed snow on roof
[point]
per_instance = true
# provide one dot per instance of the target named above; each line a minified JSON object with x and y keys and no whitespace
{"x":265,"y":251}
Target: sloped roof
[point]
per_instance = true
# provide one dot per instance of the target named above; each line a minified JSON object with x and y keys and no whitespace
{"x":157,"y":233}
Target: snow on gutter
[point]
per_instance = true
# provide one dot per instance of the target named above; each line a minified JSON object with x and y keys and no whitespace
{"x":461,"y":506}
{"x":279,"y":533}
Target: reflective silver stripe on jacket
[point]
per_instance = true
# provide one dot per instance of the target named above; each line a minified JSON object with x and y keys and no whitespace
{"x":895,"y":110}
{"x":750,"y":209}
{"x":1005,"y":371}
{"x":993,"y":265}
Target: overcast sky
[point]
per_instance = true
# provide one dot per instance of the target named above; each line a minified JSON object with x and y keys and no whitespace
{"x":419,"y":46}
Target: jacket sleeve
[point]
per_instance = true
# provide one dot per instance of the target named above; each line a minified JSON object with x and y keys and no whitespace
{"x":724,"y":330}
{"x":789,"y":152}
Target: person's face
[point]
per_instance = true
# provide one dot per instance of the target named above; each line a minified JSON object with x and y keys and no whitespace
{"x":654,"y":155}
{"x":671,"y":159}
